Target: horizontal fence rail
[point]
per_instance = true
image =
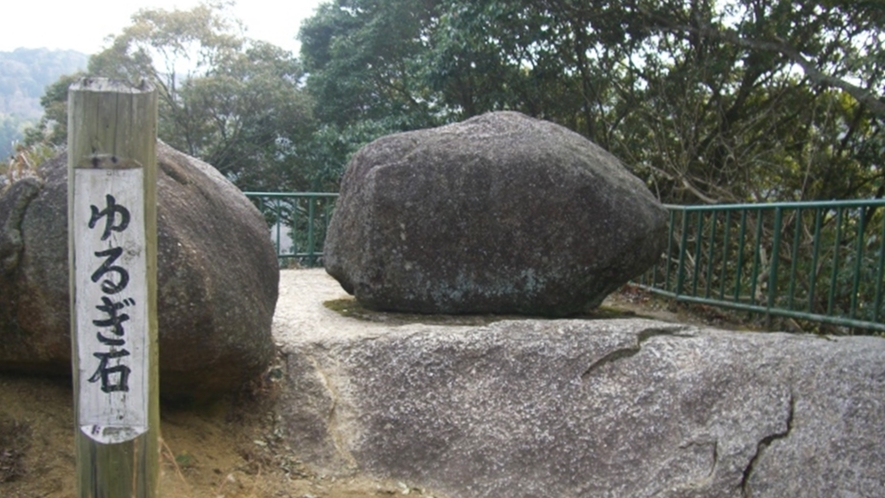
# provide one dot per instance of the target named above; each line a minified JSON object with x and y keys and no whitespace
{"x":298,"y":222}
{"x":817,"y":261}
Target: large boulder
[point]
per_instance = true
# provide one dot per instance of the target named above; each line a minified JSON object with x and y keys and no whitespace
{"x":217,"y":278}
{"x":577,"y":408}
{"x":501,"y":213}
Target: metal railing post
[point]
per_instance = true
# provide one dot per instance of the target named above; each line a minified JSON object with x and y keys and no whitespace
{"x":310,"y":238}
{"x":848,"y":297}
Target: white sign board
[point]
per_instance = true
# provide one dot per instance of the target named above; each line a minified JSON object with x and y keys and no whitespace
{"x":111,"y":303}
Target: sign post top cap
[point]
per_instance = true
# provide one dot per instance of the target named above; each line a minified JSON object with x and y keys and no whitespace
{"x":94,"y":84}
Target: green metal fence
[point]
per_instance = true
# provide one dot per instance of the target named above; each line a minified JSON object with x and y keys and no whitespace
{"x":298,"y":222}
{"x":817,"y":261}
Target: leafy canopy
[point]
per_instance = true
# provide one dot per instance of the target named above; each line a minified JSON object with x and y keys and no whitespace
{"x":234,"y":102}
{"x":709,"y":101}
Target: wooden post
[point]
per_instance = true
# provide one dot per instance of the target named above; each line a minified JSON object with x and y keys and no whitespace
{"x":112,"y":227}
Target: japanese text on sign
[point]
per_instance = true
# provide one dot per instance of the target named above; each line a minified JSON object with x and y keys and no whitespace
{"x":111,"y":297}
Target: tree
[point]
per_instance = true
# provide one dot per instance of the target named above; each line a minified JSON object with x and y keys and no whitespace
{"x":52,"y":128}
{"x":832,"y":42}
{"x":363,"y":62}
{"x":236,"y":103}
{"x":766,"y":123}
{"x":709,"y":101}
{"x":250,"y":119}
{"x":360,"y":56}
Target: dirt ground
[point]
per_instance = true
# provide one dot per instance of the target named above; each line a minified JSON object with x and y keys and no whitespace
{"x":226,"y":449}
{"x":223,"y":450}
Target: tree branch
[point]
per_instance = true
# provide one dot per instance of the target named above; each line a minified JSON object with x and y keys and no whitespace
{"x":875,"y":104}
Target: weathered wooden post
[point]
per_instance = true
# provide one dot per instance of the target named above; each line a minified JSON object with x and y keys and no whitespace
{"x":112,"y":226}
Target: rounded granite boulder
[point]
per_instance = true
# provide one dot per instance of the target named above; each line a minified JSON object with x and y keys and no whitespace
{"x":501,"y":213}
{"x":217,"y":278}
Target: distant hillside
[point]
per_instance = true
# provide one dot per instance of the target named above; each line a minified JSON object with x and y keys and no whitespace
{"x":25,"y":73}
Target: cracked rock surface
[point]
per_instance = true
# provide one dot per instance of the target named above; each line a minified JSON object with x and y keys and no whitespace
{"x":577,"y":408}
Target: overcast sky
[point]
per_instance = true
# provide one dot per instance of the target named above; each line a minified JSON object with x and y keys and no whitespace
{"x":84,"y":25}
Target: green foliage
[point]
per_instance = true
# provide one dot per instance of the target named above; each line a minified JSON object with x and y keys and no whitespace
{"x":709,"y":101}
{"x":735,"y":119}
{"x":249,"y":118}
{"x":52,"y":129}
{"x":330,"y":148}
{"x":236,"y":103}
{"x":360,"y":57}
